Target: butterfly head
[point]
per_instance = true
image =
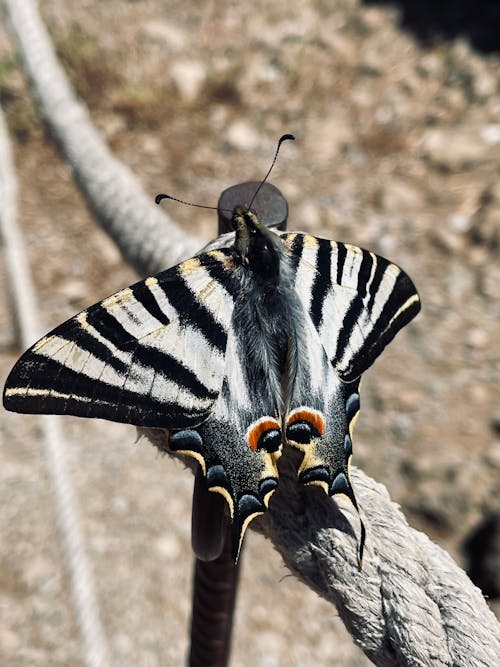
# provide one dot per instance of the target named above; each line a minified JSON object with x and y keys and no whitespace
{"x":258,"y":247}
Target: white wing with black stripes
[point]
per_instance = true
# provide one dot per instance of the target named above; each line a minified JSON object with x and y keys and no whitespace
{"x":354,"y":304}
{"x":151,"y":355}
{"x":172,"y":352}
{"x":357,"y":300}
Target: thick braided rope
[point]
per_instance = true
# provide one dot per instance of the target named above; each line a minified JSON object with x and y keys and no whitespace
{"x":95,"y":651}
{"x":410,"y":604}
{"x":121,"y":206}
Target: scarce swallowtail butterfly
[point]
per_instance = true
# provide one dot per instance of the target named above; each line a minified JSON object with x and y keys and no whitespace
{"x":235,"y":352}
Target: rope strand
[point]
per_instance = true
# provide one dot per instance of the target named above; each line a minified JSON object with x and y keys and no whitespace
{"x":94,"y":644}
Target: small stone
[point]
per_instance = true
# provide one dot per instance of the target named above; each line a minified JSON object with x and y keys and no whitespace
{"x":409,"y":400}
{"x":458,"y":222}
{"x":372,"y":62}
{"x":459,"y":280}
{"x":167,"y":34}
{"x":446,"y":240}
{"x":189,"y":77}
{"x":384,"y":114}
{"x":37,"y":571}
{"x":9,"y":642}
{"x":453,"y":150}
{"x":120,"y":505}
{"x":476,"y":338}
{"x":430,"y":64}
{"x":74,"y":290}
{"x":373,"y":19}
{"x":489,"y":281}
{"x":330,"y":138}
{"x":168,"y":547}
{"x":123,"y":643}
{"x":109,"y":253}
{"x":401,"y":427}
{"x":386,"y":244}
{"x":218,"y":116}
{"x":242,"y":136}
{"x":398,"y":196}
{"x":490,"y":134}
{"x":151,"y":145}
{"x":478,"y":394}
{"x":308,"y":215}
{"x":484,"y":84}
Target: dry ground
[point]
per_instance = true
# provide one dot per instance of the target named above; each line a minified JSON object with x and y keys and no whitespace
{"x":398,"y":150}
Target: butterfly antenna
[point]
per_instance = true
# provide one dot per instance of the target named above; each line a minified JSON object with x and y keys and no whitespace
{"x":284,"y":137}
{"x":162,"y":196}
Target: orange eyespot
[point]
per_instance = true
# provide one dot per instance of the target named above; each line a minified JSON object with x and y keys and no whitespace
{"x":309,"y":415}
{"x":263,"y":434}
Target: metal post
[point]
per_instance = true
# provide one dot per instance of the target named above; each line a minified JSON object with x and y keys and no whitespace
{"x":215,"y":575}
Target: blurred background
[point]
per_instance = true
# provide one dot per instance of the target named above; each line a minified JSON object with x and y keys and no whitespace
{"x":396,"y":110}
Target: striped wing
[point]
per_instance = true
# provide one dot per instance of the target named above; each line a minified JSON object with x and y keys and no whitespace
{"x":357,"y":300}
{"x":151,"y":355}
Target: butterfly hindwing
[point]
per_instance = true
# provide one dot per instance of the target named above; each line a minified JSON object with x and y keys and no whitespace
{"x":239,"y":444}
{"x":152,"y":354}
{"x":320,"y":420}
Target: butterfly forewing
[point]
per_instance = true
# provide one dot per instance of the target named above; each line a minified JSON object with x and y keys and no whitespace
{"x":151,"y":355}
{"x":357,"y":300}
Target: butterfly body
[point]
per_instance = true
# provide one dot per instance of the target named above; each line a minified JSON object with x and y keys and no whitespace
{"x":234,"y":353}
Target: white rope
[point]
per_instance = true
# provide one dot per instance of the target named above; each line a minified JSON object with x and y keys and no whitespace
{"x":94,"y":645}
{"x":411,"y":605}
{"x":120,"y":204}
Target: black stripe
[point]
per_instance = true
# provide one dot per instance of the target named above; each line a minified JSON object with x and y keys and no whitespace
{"x":221,"y":274}
{"x":89,"y":343}
{"x":377,"y":279}
{"x":364,"y":273}
{"x":322,"y":281}
{"x":193,"y":312}
{"x":382,"y":334}
{"x":297,"y":248}
{"x":145,"y":297}
{"x":355,"y":309}
{"x":106,"y":401}
{"x":341,"y":255}
{"x":172,"y":369}
{"x":350,"y":320}
{"x":108,"y":326}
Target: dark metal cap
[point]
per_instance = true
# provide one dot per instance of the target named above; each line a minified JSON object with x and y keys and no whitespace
{"x":269,"y":205}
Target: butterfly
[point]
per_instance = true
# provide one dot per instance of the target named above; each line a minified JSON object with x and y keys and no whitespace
{"x":235,"y":353}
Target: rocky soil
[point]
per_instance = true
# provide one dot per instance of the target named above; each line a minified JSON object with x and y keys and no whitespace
{"x":398,"y":150}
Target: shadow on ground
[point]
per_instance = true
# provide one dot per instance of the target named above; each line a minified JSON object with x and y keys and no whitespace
{"x":476,"y":20}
